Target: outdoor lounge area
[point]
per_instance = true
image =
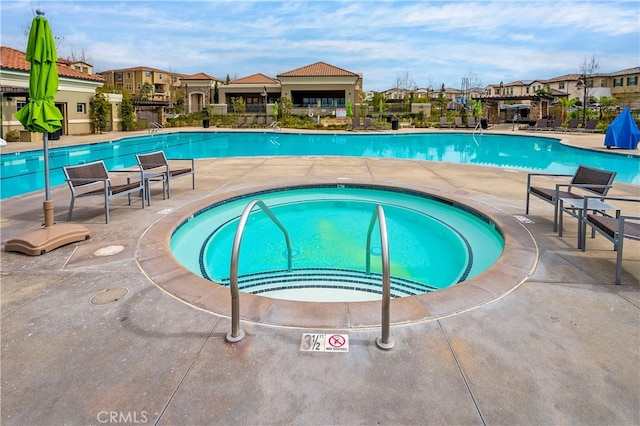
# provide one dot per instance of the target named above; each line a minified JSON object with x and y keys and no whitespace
{"x":87,"y":335}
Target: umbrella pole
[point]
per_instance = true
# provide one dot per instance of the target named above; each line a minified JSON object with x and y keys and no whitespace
{"x":47,"y":187}
{"x":48,"y":202}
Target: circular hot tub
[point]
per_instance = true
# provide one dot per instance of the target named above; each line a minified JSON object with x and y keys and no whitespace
{"x":433,"y":243}
{"x":198,"y":275}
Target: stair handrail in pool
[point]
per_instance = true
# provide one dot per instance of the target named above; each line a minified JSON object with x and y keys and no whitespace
{"x":236,"y":334}
{"x":383,"y":342}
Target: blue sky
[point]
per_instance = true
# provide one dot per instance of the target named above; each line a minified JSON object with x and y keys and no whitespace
{"x":431,"y":42}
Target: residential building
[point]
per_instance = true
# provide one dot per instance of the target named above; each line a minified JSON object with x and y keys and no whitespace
{"x":199,"y":91}
{"x":256,"y":90}
{"x":143,"y":82}
{"x":75,"y":91}
{"x":320,"y":88}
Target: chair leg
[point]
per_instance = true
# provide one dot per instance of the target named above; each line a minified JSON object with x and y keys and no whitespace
{"x":106,"y":208}
{"x":526,"y":208}
{"x":618,"y":247}
{"x":555,"y":217}
{"x":73,"y":199}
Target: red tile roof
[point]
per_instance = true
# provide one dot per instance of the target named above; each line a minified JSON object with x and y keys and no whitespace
{"x":255,"y":79}
{"x":16,"y":60}
{"x":319,"y":69}
{"x":199,"y":76}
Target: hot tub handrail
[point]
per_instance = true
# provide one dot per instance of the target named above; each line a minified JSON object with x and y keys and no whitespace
{"x":236,"y":334}
{"x":383,"y":342}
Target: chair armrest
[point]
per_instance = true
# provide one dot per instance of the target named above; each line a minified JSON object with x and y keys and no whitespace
{"x":530,"y":175}
{"x":581,"y":186}
{"x":87,"y":180}
{"x":193,"y":166}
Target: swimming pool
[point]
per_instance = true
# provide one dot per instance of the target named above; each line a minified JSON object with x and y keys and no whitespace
{"x":432,"y":243}
{"x":23,"y":172}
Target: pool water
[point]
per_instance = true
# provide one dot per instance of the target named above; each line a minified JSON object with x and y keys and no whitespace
{"x":433,"y":245}
{"x":23,"y":172}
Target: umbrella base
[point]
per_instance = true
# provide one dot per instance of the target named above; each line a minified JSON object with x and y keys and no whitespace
{"x":40,"y":241}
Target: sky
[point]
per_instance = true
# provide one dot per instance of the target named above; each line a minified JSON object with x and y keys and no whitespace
{"x":420,"y":43}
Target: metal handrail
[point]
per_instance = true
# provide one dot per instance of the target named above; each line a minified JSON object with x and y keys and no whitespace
{"x":383,"y":342}
{"x":236,"y":334}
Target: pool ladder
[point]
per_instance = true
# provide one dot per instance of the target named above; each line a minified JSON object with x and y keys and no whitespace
{"x":236,"y":334}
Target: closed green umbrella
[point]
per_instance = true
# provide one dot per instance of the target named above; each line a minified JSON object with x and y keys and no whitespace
{"x":40,"y":115}
{"x":275,"y":110}
{"x":349,"y":108}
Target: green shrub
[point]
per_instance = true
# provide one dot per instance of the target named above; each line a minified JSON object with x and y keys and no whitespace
{"x":12,"y":136}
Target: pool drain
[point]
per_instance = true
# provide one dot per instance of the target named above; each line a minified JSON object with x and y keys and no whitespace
{"x":109,"y":295}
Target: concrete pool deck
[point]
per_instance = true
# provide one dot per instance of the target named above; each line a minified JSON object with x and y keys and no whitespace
{"x":87,"y":338}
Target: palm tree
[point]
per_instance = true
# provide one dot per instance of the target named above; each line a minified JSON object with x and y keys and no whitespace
{"x":566,"y":104}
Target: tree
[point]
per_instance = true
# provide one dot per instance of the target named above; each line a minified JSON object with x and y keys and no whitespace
{"x":239,"y":107}
{"x":587,"y":69}
{"x":146,"y":91}
{"x":100,"y":107}
{"x":285,"y":107}
{"x":442,"y":100}
{"x":127,"y":112}
{"x":566,"y":103}
{"x":216,"y":94}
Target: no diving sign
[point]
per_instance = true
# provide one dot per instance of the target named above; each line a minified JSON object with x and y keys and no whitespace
{"x":324,"y":342}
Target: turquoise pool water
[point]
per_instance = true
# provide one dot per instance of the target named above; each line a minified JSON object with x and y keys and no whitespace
{"x":432,"y":244}
{"x":24,"y":172}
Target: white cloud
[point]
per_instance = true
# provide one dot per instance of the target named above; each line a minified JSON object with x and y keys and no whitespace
{"x":434,"y":41}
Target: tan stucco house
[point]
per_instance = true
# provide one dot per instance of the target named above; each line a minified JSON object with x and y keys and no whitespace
{"x":75,"y":90}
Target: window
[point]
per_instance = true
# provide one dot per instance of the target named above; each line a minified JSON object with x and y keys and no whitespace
{"x":617,"y":82}
{"x":128,"y":86}
{"x":147,"y":74}
{"x":139,"y":86}
{"x":160,"y":76}
{"x":128,"y":75}
{"x":603,"y":83}
{"x":20,"y":104}
{"x":119,"y":76}
{"x":561,"y":85}
{"x":632,"y":81}
{"x":85,"y":70}
{"x":81,"y":108}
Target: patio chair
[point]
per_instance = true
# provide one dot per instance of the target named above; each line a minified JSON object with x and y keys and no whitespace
{"x":155,"y":167}
{"x":457,"y":122}
{"x":572,"y":126}
{"x":260,"y":122}
{"x":249,"y":121}
{"x":444,"y":123}
{"x":92,"y":179}
{"x":587,"y":179}
{"x":240,"y":122}
{"x":471,"y":123}
{"x":556,"y":125}
{"x":368,"y":124}
{"x":540,"y":125}
{"x":355,"y":124}
{"x":615,"y":229}
{"x":590,"y":127}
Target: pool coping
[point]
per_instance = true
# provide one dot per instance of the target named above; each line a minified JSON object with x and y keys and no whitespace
{"x":516,"y":264}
